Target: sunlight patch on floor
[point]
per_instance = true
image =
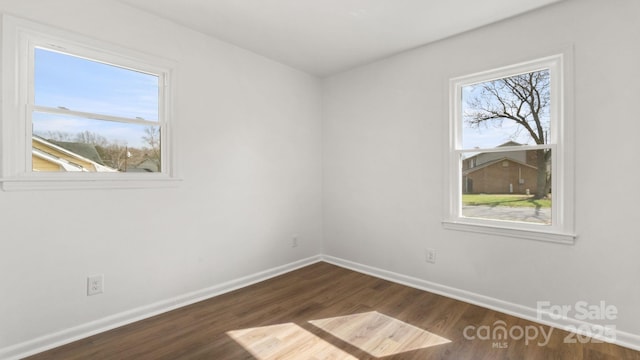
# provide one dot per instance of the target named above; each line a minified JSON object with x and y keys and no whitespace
{"x":286,"y":341}
{"x":378,"y":334}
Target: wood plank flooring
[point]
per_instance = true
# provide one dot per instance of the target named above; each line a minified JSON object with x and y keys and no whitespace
{"x":326,"y":312}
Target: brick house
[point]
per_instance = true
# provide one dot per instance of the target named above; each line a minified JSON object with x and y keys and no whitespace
{"x":502,"y":172}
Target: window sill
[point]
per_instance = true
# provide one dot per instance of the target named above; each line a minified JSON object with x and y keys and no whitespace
{"x":547,"y":236}
{"x":57,"y":183}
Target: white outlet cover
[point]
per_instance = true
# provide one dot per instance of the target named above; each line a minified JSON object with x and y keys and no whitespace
{"x":430,"y":256}
{"x":95,"y":285}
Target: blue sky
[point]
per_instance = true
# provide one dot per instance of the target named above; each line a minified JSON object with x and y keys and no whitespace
{"x":88,"y":86}
{"x":492,"y":133}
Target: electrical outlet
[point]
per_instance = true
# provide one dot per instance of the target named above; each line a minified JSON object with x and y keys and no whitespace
{"x":294,"y":241}
{"x":95,"y":285}
{"x":430,"y":256}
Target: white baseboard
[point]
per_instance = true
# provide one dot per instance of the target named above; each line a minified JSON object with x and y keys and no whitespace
{"x":66,"y":336}
{"x":622,"y":338}
{"x":50,"y":341}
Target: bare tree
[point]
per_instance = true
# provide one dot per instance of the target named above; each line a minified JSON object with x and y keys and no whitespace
{"x":56,"y":135}
{"x":152,"y":138}
{"x":88,"y":137}
{"x":113,"y":155}
{"x":525,"y":100}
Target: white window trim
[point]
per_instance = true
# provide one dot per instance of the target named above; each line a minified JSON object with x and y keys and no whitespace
{"x":19,"y":36}
{"x":562,"y":144}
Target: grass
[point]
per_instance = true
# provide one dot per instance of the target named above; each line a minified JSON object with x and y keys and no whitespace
{"x":510,"y":200}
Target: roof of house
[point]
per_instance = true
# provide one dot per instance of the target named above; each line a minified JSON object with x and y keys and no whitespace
{"x":68,"y":166}
{"x":510,"y":143}
{"x":493,"y":162}
{"x":148,"y":165}
{"x":64,"y":164}
{"x":87,"y":151}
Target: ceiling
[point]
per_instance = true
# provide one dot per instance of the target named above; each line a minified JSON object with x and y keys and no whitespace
{"x":323,"y":37}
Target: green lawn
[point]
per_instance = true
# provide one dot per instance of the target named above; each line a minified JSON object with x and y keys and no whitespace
{"x":505,"y":200}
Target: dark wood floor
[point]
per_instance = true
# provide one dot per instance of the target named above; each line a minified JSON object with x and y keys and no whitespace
{"x":320,"y":291}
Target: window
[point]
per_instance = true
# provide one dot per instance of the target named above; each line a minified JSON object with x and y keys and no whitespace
{"x":82,"y":113}
{"x":510,"y":152}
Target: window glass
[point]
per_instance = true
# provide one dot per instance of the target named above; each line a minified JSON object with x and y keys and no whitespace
{"x":502,"y":186}
{"x":125,"y":147}
{"x":504,"y":148}
{"x":86,"y":109}
{"x":78,"y":84}
{"x":80,"y":113}
{"x":510,"y":109}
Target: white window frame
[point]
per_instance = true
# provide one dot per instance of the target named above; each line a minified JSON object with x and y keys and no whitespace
{"x":19,"y":39}
{"x":561,"y":143}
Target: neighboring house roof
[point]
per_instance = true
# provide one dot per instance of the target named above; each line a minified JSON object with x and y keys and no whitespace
{"x":509,"y":143}
{"x":67,"y":163}
{"x":471,"y":155}
{"x":489,"y":163}
{"x":87,"y":151}
{"x":148,"y":165}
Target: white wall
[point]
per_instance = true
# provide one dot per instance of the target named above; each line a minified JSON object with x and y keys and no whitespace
{"x":248,"y":133}
{"x":384,"y":134}
{"x":248,"y":142}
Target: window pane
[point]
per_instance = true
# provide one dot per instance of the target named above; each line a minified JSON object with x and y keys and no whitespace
{"x":511,"y":109}
{"x":508,"y":185}
{"x":111,"y":146}
{"x":79,"y":84}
